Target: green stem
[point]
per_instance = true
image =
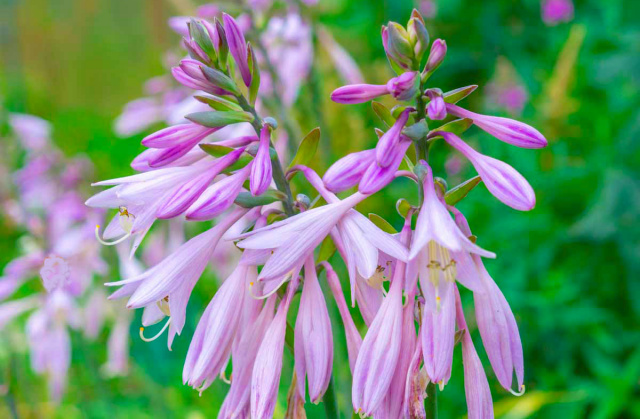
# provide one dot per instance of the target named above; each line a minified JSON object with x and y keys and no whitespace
{"x":431,"y":402}
{"x":330,"y":403}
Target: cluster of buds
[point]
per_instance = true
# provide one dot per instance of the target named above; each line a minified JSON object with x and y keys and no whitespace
{"x":189,"y":171}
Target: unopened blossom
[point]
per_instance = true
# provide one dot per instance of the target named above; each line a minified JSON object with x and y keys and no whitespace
{"x":237,"y":46}
{"x":436,"y":108}
{"x":403,"y":87}
{"x":260,"y":177}
{"x":436,"y":55}
{"x":390,"y":140}
{"x":508,"y":130}
{"x":502,"y":180}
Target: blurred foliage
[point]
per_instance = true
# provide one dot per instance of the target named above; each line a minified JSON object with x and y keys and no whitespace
{"x":569,"y":268}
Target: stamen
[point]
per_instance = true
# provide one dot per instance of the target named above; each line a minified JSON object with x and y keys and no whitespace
{"x":224,"y":378}
{"x":518,"y":393}
{"x":113,"y":243}
{"x":157,"y":335}
{"x":262,"y":297}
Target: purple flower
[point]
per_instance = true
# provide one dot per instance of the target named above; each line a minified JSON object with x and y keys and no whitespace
{"x":438,"y":330}
{"x":173,"y":279}
{"x":313,"y":345}
{"x":218,"y":197}
{"x":343,"y":62}
{"x":243,"y":355}
{"x":188,"y":193}
{"x":362,"y":241}
{"x":437,"y":233}
{"x":436,"y":55}
{"x":499,"y":331}
{"x":260,"y":177}
{"x":504,"y":129}
{"x":389,"y":141}
{"x":556,"y":11}
{"x":378,"y":356}
{"x":177,"y":135}
{"x":55,"y":273}
{"x":393,"y":404}
{"x":404,"y":87}
{"x":267,"y":367}
{"x":294,"y":238}
{"x":34,"y":133}
{"x":358,"y":93}
{"x":354,"y":340}
{"x":118,"y":348}
{"x":211,"y":343}
{"x":377,"y":177}
{"x":237,"y":47}
{"x":502,"y":180}
{"x":436,"y":109}
{"x":348,"y":171}
{"x":476,"y":386}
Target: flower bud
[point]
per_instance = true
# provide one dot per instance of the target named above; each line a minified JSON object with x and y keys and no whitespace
{"x":261,"y":170}
{"x":358,"y":93}
{"x":395,"y":40}
{"x":436,"y":56}
{"x":418,"y":35}
{"x":237,"y":47}
{"x":504,"y":129}
{"x":436,"y":109}
{"x":347,"y":172}
{"x":390,"y":139}
{"x":404,"y":87}
{"x":502,"y":180}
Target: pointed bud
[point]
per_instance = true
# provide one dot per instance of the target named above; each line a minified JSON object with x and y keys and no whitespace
{"x":504,"y":129}
{"x":502,"y":180}
{"x":348,"y":171}
{"x":261,"y":170}
{"x":377,"y":177}
{"x":418,"y":35}
{"x":436,"y":56}
{"x":218,"y":197}
{"x":395,"y":40}
{"x":237,"y":47}
{"x":436,"y":109}
{"x":389,"y":141}
{"x":405,"y":87}
{"x":358,"y":93}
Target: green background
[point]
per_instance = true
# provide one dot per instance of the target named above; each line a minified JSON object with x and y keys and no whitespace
{"x":569,"y":268}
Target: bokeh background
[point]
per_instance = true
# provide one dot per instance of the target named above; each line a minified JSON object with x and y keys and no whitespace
{"x":570,"y":268}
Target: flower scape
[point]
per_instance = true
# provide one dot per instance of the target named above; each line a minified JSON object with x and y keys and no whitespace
{"x":223,"y":167}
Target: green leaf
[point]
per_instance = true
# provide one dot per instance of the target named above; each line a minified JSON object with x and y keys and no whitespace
{"x":219,"y":119}
{"x":383,"y":113}
{"x":457,"y":95}
{"x":199,"y":33}
{"x":455,"y":195}
{"x":457,"y":127}
{"x":239,"y":164}
{"x":220,"y":79}
{"x":382,"y":223}
{"x":306,"y":149}
{"x":246,"y":200}
{"x":327,"y":249}
{"x":220,"y":150}
{"x":218,"y":103}
{"x":216,"y":150}
{"x":255,"y":74}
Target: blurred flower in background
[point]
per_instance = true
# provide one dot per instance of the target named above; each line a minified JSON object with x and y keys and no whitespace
{"x":557,"y":11}
{"x":505,"y":91}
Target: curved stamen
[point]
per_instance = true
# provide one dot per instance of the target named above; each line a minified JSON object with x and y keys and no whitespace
{"x":157,"y":335}
{"x":113,"y":243}
{"x":262,"y":297}
{"x":518,"y":393}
